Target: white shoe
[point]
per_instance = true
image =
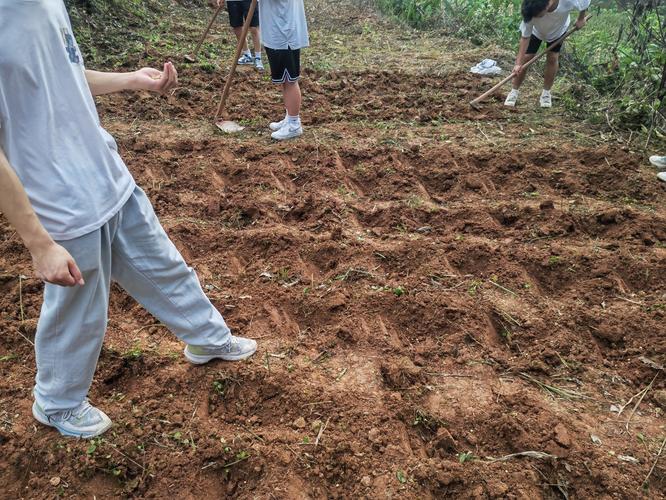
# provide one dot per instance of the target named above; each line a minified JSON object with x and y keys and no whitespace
{"x":258,"y":64}
{"x":512,"y":98}
{"x":546,"y":99}
{"x":661,"y":176}
{"x":85,"y":421}
{"x":287,"y":132}
{"x":658,"y":161}
{"x":275,"y":126}
{"x":245,"y":59}
{"x":236,"y":349}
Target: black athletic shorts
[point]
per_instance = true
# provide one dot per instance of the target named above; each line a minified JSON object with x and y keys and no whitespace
{"x":285,"y":64}
{"x":535,"y":43}
{"x":238,"y":10}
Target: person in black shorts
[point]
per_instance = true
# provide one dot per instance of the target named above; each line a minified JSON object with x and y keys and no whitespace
{"x":543,"y":20}
{"x":238,"y":11}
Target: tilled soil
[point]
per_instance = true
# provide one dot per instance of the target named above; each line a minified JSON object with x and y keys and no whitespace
{"x":427,"y":299}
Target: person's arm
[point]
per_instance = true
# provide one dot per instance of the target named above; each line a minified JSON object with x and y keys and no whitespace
{"x":522,"y":49}
{"x":580,"y":22}
{"x":143,"y":79}
{"x":52,"y":262}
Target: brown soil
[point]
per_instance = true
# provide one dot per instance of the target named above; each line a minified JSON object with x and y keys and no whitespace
{"x":412,"y":269}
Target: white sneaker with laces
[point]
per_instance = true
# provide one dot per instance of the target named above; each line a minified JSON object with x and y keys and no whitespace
{"x":85,"y":421}
{"x":512,"y":98}
{"x":236,"y":349}
{"x":287,"y":132}
{"x":658,"y":161}
{"x":258,"y":64}
{"x":275,"y":126}
{"x":546,"y":99}
{"x":245,"y":59}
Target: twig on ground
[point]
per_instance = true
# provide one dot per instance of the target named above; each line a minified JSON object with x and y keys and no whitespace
{"x":640,"y":400}
{"x":113,"y":447}
{"x":530,"y":454}
{"x":321,"y":431}
{"x":502,"y":288}
{"x":655,"y":463}
{"x":553,"y":390}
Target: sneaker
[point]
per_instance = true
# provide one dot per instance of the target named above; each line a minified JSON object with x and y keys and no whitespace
{"x":287,"y":132}
{"x":546,"y":100}
{"x":245,"y":59}
{"x":275,"y":126}
{"x":661,"y":176}
{"x":258,"y":64}
{"x":659,"y":162}
{"x":237,"y":349}
{"x":85,"y":421}
{"x":512,"y":98}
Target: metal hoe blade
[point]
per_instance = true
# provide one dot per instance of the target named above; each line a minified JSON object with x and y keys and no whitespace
{"x":229,"y":126}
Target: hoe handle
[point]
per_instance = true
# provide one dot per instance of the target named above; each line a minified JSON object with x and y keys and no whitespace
{"x":234,"y":63}
{"x":526,"y":65}
{"x":205,"y":33}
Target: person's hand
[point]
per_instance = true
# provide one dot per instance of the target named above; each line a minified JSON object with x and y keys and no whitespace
{"x":580,"y":22}
{"x":54,"y":264}
{"x":517,"y":69}
{"x":156,"y":80}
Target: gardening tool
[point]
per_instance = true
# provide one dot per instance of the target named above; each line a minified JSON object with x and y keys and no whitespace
{"x":525,"y":66}
{"x":193,"y":58}
{"x":226,"y":125}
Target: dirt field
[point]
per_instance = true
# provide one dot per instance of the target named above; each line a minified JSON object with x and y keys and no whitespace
{"x":432,"y":288}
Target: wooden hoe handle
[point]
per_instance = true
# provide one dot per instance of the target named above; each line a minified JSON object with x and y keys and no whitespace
{"x":234,"y":63}
{"x":205,"y":33}
{"x":526,"y":65}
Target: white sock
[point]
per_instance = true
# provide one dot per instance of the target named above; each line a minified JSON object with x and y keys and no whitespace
{"x":247,"y":53}
{"x":294,"y":121}
{"x":545,"y":92}
{"x":257,"y":55}
{"x":515,"y":91}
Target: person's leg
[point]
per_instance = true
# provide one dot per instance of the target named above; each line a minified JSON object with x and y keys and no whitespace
{"x":71,"y":326}
{"x":552,"y":65}
{"x":238,"y":31}
{"x":520,"y":77}
{"x":291,"y":92}
{"x":149,"y":267}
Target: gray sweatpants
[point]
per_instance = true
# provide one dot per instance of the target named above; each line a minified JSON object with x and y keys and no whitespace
{"x":133,"y":250}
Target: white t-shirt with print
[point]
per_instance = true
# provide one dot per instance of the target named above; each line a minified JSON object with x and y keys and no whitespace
{"x":49,"y":127}
{"x":554,"y":24}
{"x":283,"y":24}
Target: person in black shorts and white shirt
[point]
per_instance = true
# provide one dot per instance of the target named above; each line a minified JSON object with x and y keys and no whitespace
{"x":543,"y":20}
{"x":238,"y":11}
{"x":284,"y":31}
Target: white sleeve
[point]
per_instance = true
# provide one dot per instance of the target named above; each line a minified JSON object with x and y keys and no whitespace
{"x":582,"y":5}
{"x":526,"y":28}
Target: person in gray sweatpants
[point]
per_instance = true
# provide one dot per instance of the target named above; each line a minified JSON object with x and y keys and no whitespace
{"x":81,"y":215}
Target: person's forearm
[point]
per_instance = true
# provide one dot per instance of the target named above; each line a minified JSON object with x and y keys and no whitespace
{"x":522,"y":49}
{"x":582,"y":14}
{"x":107,"y":83}
{"x":14,"y":204}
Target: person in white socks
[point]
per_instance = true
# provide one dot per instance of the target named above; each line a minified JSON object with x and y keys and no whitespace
{"x":77,"y":208}
{"x":238,"y":11}
{"x":284,"y":31}
{"x":543,"y":20}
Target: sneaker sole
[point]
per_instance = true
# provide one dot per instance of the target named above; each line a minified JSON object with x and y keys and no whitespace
{"x":274,"y":128}
{"x":42,"y":419}
{"x":510,"y":105}
{"x":196,"y":359}
{"x":286,"y":138}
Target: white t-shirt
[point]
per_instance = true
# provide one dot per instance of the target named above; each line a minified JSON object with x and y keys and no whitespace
{"x":283,"y":25}
{"x":49,"y":127}
{"x":554,"y":24}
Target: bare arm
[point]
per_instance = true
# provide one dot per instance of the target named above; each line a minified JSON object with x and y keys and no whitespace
{"x":580,"y":22}
{"x":522,"y":49}
{"x":143,"y":79}
{"x":52,"y":262}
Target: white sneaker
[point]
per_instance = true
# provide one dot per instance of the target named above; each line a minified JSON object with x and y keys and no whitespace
{"x":237,"y":349}
{"x":546,"y":99}
{"x":275,"y":126}
{"x":258,"y":64}
{"x":245,"y":59}
{"x":85,"y":421}
{"x":512,"y":98}
{"x":658,"y":161}
{"x":661,"y":176}
{"x":287,"y":132}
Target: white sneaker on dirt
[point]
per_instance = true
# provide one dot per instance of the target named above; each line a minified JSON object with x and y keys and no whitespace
{"x":658,"y":161}
{"x":85,"y":421}
{"x":661,"y":176}
{"x":258,"y":64}
{"x":237,"y":349}
{"x":275,"y":126}
{"x":287,"y":132}
{"x":245,"y":59}
{"x":546,"y":100}
{"x":512,"y":98}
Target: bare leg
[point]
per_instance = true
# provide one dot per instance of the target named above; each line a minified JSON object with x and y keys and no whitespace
{"x":520,"y":77}
{"x":256,"y":39}
{"x":239,"y":31}
{"x":552,"y":65}
{"x":292,"y":98}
